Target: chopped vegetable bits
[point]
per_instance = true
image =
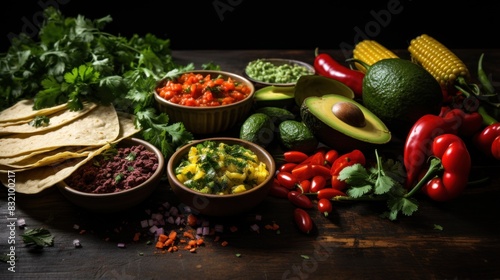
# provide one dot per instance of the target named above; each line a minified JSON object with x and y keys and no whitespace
{"x":220,"y":168}
{"x":198,"y":90}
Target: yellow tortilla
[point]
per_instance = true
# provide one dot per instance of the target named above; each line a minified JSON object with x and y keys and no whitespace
{"x":57,"y":119}
{"x":46,"y":158}
{"x":23,"y":110}
{"x":96,"y":128}
{"x":35,"y":180}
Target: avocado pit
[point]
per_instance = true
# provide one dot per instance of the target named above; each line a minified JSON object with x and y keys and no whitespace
{"x":349,"y":113}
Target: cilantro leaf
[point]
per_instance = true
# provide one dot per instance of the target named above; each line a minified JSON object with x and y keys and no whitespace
{"x":38,"y":237}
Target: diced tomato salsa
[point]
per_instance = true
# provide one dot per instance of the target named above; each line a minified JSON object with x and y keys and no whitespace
{"x":196,"y":90}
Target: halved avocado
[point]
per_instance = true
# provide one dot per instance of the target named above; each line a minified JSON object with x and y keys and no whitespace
{"x":316,"y":85}
{"x":275,"y":96}
{"x":342,"y":123}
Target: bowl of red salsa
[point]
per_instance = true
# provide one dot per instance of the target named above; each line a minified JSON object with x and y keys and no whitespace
{"x":205,"y":101}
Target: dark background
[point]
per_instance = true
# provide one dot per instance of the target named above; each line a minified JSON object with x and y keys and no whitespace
{"x":257,"y":24}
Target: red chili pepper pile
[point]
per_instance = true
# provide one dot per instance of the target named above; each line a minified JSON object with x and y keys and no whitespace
{"x":302,"y":176}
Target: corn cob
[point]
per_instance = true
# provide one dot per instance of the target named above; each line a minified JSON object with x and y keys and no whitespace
{"x":438,"y":60}
{"x":370,"y":51}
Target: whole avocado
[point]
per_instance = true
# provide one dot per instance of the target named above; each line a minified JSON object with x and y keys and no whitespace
{"x":399,"y":92}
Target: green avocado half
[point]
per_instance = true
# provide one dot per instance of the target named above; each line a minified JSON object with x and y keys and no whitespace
{"x":316,"y":85}
{"x":275,"y":96}
{"x":342,"y":123}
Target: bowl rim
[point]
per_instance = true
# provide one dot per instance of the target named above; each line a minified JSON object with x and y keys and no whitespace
{"x":185,"y":148}
{"x":279,"y":60}
{"x":161,"y":164}
{"x":210,"y":108}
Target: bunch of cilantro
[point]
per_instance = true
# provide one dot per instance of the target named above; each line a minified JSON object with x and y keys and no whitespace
{"x":383,"y":182}
{"x":73,"y":60}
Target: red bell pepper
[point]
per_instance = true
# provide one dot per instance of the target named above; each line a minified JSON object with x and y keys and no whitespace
{"x":488,"y":140}
{"x":418,"y":143}
{"x":471,"y":122}
{"x":456,"y":164}
{"x":326,"y":66}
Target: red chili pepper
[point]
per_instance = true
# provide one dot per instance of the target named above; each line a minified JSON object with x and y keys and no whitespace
{"x":300,"y":200}
{"x":320,"y":170}
{"x":316,"y":158}
{"x":488,"y":140}
{"x":326,"y":66}
{"x":303,"y":220}
{"x":418,"y":143}
{"x":305,"y":185}
{"x":347,"y":159}
{"x":302,"y":172}
{"x":329,"y":193}
{"x":331,"y":156}
{"x":287,"y":167}
{"x":338,"y":184}
{"x":295,"y":156}
{"x":317,"y":183}
{"x":456,"y":163}
{"x":287,"y":180}
{"x":278,"y":190}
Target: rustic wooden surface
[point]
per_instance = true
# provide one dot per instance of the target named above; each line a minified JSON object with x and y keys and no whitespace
{"x":354,"y":243}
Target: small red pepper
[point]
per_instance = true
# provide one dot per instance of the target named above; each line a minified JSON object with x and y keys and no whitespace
{"x":347,"y":159}
{"x":488,"y":140}
{"x":302,"y":172}
{"x":326,"y":66}
{"x":418,"y":143}
{"x":456,"y":163}
{"x":329,"y":193}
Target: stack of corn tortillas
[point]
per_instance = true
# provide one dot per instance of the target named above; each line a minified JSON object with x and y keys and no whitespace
{"x":35,"y":158}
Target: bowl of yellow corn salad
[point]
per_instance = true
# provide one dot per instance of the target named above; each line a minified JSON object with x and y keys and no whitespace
{"x":221,"y":176}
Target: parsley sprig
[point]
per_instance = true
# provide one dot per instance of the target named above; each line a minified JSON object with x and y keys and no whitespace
{"x":74,"y":60}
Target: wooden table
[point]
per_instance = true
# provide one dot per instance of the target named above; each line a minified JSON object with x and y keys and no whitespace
{"x":354,"y":243}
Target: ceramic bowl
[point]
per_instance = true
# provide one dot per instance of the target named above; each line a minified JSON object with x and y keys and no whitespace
{"x":118,"y":201}
{"x":277,"y":62}
{"x":221,"y":205}
{"x":208,"y":120}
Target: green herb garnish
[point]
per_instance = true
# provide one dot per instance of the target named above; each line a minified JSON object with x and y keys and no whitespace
{"x":38,"y":236}
{"x":39,"y":121}
{"x":131,"y":156}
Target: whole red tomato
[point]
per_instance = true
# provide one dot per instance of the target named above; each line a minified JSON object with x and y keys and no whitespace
{"x":325,"y":206}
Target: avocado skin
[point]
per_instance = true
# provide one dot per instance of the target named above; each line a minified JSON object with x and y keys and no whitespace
{"x":296,"y":136}
{"x":258,"y":128}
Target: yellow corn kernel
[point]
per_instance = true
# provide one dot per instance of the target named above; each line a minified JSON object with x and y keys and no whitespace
{"x":370,"y":51}
{"x":437,"y":59}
